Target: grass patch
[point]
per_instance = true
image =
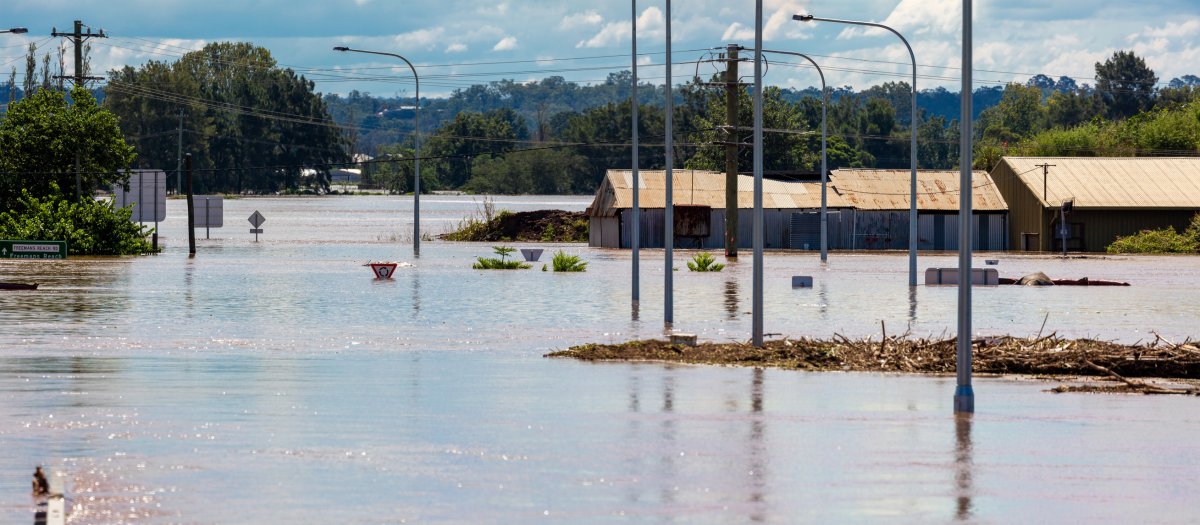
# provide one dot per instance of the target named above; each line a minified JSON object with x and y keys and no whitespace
{"x":501,"y":263}
{"x":568,"y":263}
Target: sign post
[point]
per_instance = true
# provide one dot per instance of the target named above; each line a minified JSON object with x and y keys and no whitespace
{"x":256,"y":219}
{"x":33,"y":249}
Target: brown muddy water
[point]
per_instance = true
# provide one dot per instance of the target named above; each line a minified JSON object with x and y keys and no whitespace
{"x":277,"y":382}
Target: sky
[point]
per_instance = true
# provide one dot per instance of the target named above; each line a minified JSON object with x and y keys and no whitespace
{"x":457,"y":43}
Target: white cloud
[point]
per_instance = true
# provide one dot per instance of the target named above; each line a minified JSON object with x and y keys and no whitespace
{"x":507,"y":43}
{"x":651,"y":24}
{"x":916,"y":17}
{"x":580,"y":20}
{"x":456,"y":47}
{"x":419,"y":39}
{"x":779,"y":24}
{"x":500,"y":9}
{"x":736,"y":32}
{"x":1186,"y":29}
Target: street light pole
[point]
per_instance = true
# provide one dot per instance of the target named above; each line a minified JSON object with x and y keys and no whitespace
{"x":416,"y":138}
{"x":964,"y":395}
{"x":912,"y":131}
{"x":824,"y":170}
{"x":757,"y":300}
{"x":669,"y":207}
{"x":15,"y":30}
{"x":636,"y":230}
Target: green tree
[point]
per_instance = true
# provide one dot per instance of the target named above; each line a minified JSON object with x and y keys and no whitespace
{"x":1073,"y":107}
{"x":1125,"y":84}
{"x":1019,"y":114}
{"x":456,"y":145}
{"x":42,"y":136}
{"x":538,"y":171}
{"x":251,"y":126}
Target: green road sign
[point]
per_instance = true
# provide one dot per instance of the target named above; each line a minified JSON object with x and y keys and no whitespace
{"x":33,"y":249}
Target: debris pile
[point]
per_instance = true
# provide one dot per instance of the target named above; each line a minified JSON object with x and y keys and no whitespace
{"x":1038,"y":356}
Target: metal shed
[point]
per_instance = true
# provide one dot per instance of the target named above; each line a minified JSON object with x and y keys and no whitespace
{"x":880,"y":200}
{"x":790,"y":210}
{"x":1110,"y":197}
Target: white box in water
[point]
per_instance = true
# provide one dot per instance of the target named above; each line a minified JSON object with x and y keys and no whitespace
{"x":683,"y":339}
{"x":947,"y":276}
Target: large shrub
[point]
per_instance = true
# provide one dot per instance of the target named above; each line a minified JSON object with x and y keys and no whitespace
{"x":1166,"y":240}
{"x":90,"y":227}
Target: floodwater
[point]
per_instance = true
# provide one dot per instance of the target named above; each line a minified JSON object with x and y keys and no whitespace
{"x":277,"y":382}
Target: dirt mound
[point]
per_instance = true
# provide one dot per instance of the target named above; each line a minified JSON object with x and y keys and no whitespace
{"x":526,"y":226}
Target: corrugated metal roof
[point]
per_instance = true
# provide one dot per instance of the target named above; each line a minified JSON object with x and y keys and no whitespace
{"x":1096,"y":182}
{"x":705,"y":188}
{"x":891,"y":190}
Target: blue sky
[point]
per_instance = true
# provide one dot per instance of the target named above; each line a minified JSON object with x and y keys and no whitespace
{"x":456,"y":43}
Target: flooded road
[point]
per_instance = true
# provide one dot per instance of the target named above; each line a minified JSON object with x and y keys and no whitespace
{"x":278,"y":382}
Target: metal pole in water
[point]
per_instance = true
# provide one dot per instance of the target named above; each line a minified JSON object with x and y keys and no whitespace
{"x":636,"y":230}
{"x":154,"y":241}
{"x":757,"y":301}
{"x":191,"y":207}
{"x":964,"y":395}
{"x":668,"y":208}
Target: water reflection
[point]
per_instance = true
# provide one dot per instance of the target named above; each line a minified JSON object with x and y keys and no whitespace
{"x":76,"y":292}
{"x":189,"y":279}
{"x":667,"y":435}
{"x":758,"y":463}
{"x":731,"y":299}
{"x":823,"y":299}
{"x":635,"y":431}
{"x":963,"y":466}
{"x":416,"y":293}
{"x":912,"y":305}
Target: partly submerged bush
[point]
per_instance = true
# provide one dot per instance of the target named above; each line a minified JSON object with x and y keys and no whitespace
{"x":492,"y":263}
{"x":704,"y":262}
{"x":90,"y":227}
{"x":1166,"y":240}
{"x":568,"y":263}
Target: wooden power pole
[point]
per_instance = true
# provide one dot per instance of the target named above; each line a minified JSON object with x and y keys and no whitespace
{"x":77,"y":37}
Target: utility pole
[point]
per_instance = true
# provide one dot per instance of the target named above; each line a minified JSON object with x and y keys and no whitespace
{"x":77,"y":37}
{"x":179,"y":157}
{"x":1045,"y":174}
{"x":732,"y":90}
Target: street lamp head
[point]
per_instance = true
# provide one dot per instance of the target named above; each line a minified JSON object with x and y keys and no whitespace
{"x":17,"y":30}
{"x":803,"y":18}
{"x":341,"y":48}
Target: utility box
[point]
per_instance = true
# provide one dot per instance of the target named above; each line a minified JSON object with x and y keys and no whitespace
{"x":949,"y":276}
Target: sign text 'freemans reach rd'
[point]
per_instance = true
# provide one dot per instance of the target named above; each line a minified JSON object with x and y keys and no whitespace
{"x":33,"y":249}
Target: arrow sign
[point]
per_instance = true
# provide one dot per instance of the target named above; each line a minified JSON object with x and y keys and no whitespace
{"x":257,"y":219}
